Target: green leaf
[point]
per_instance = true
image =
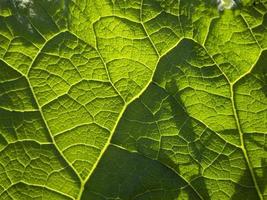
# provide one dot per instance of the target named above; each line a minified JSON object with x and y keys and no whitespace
{"x":133,"y":100}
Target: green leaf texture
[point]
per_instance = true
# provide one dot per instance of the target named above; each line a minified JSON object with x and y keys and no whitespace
{"x":133,"y":100}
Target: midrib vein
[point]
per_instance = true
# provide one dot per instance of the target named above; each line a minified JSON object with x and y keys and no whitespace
{"x":123,"y":109}
{"x":241,"y":135}
{"x":113,"y":131}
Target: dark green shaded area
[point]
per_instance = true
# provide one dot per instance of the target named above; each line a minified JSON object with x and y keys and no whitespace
{"x":125,"y":175}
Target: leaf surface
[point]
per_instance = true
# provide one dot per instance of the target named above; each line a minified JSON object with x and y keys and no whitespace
{"x":142,"y":99}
